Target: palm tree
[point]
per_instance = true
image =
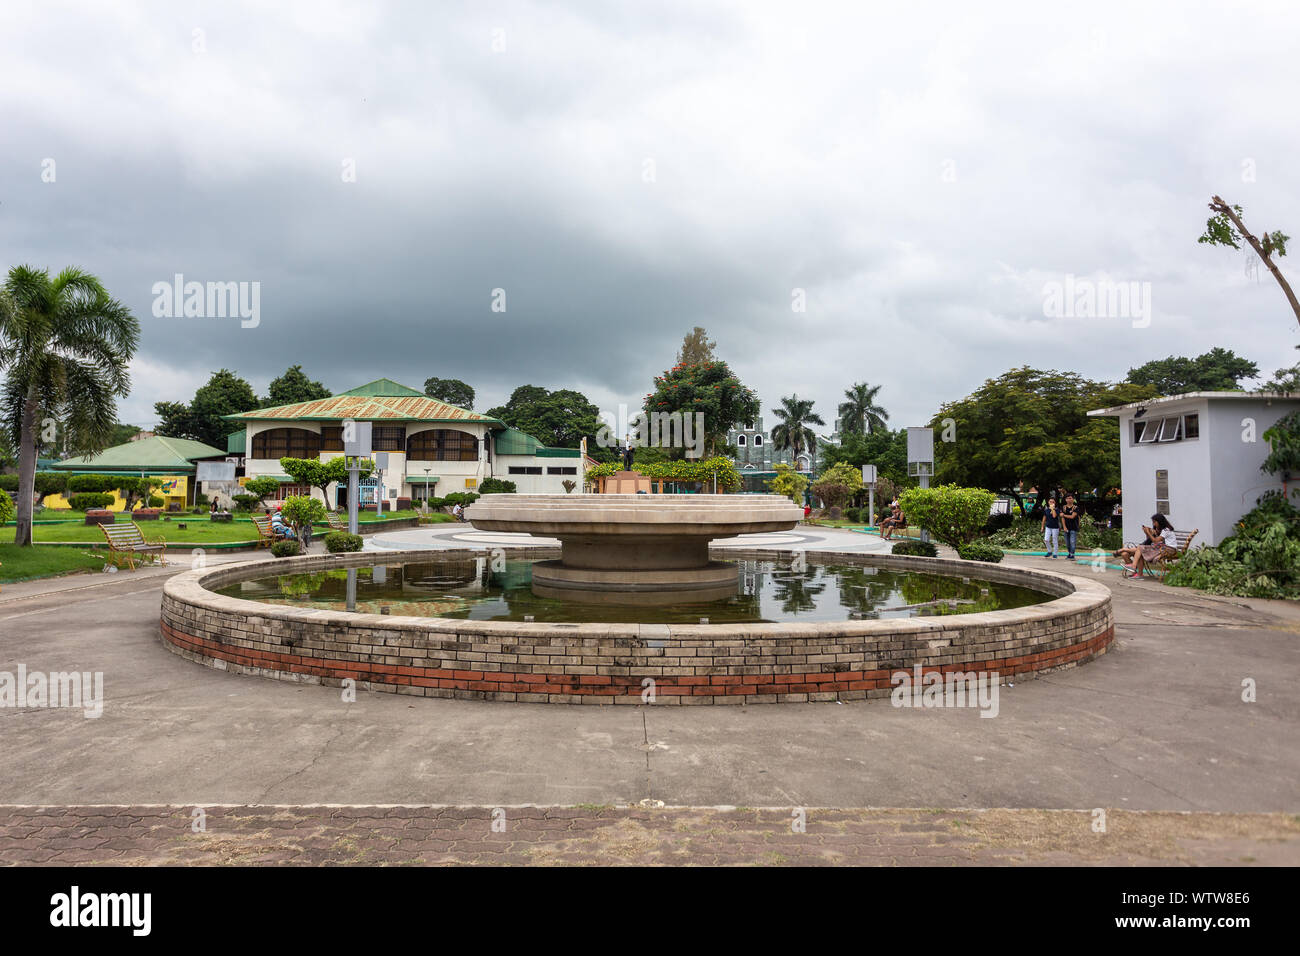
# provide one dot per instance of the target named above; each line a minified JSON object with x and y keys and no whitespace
{"x":796,"y":415}
{"x":64,"y":349}
{"x":860,"y":414}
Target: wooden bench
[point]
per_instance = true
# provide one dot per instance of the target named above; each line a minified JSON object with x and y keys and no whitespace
{"x":1184,"y":539}
{"x":266,"y":535}
{"x":126,"y":542}
{"x":336,"y":521}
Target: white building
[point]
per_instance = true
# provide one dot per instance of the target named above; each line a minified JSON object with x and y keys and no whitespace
{"x":433,"y":448}
{"x":1196,"y":458}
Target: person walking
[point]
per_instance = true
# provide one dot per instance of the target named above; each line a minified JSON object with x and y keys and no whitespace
{"x":1051,"y":528}
{"x":1070,"y":524}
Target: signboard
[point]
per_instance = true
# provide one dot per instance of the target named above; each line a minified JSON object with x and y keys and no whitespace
{"x":357,"y":439}
{"x":920,"y":452}
{"x":381,"y":461}
{"x":173,"y":487}
{"x":868,"y":475}
{"x":215,"y":471}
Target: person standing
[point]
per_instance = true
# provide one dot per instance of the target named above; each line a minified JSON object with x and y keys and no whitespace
{"x":1051,"y":527}
{"x":1070,"y":524}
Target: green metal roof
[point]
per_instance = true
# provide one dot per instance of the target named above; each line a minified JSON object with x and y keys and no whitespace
{"x":237,"y":443}
{"x":384,"y":387}
{"x":148,"y":454}
{"x":544,"y":452}
{"x":514,"y":442}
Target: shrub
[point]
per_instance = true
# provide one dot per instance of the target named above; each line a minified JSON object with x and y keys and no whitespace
{"x":8,"y":482}
{"x":462,"y":498}
{"x":157,"y":501}
{"x":201,"y":500}
{"x":88,"y":500}
{"x":246,"y":502}
{"x":568,"y":484}
{"x":50,"y":483}
{"x":337,"y":542}
{"x":923,"y":549}
{"x":788,"y":482}
{"x":302,"y":510}
{"x":953,"y":515}
{"x":285,"y":549}
{"x":1024,"y":534}
{"x":1262,"y":559}
{"x":261,"y":488}
{"x":496,"y":486}
{"x":980,"y":551}
{"x":7,"y":509}
{"x":998,"y":522}
{"x":96,"y":483}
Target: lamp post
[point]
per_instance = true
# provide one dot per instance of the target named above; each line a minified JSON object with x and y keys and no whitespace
{"x":426,"y":490}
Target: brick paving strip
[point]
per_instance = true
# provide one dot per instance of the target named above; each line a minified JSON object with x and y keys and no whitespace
{"x":584,"y":835}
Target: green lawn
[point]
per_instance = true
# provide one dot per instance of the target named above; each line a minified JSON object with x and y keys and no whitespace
{"x":37,"y":562}
{"x":199,"y":530}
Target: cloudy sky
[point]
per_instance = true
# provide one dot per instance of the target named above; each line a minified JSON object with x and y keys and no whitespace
{"x":917,"y":174}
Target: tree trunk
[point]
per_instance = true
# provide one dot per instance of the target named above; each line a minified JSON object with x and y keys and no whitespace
{"x":1220,"y":206}
{"x":26,"y":472}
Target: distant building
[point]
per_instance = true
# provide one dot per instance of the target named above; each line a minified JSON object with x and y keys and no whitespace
{"x":1196,"y":458}
{"x":757,"y":457}
{"x":173,"y":461}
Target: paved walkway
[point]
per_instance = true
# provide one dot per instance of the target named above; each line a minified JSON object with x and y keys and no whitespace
{"x":632,"y":836}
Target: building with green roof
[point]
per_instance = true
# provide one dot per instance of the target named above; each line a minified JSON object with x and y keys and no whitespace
{"x":173,"y":461}
{"x":433,"y":448}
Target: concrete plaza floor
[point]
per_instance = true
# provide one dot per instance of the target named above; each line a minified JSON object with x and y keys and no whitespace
{"x":1157,"y":724}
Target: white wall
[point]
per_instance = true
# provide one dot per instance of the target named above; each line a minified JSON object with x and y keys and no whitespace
{"x":1188,"y":464}
{"x":1236,"y":479}
{"x":543,"y":484}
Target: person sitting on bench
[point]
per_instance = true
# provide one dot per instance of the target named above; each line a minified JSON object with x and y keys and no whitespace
{"x":894,"y":522}
{"x":1160,"y":540}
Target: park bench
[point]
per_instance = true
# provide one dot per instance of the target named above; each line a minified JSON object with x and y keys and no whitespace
{"x":336,"y":521}
{"x":126,"y":542}
{"x":266,"y":535}
{"x":1162,"y":563}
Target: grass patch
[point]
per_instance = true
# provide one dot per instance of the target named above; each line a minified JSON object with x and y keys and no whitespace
{"x":199,"y":530}
{"x":18,"y":564}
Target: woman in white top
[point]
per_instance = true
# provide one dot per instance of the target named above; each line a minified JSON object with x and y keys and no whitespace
{"x":1162,"y":541}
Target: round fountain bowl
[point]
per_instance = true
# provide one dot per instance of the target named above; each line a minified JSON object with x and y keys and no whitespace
{"x":634,"y":549}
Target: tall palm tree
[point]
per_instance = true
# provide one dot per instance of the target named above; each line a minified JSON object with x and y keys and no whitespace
{"x":860,"y":414}
{"x":793,"y":433}
{"x":64,"y":349}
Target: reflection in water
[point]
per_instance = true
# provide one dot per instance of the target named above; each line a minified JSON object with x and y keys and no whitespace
{"x":766,"y":591}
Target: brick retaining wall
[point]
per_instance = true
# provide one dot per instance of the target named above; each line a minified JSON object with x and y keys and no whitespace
{"x":607,"y":663}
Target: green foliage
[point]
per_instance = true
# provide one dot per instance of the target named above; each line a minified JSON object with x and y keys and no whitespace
{"x":568,"y":484}
{"x":496,"y":486}
{"x":79,"y":483}
{"x":321,"y":474}
{"x":261,"y":488}
{"x":860,"y":414}
{"x":292,"y":387}
{"x":953,"y":515}
{"x":90,"y":499}
{"x":833,"y":494}
{"x":980,"y":551}
{"x":788,"y":482}
{"x":7,"y":510}
{"x":225,"y":393}
{"x":157,"y":501}
{"x":696,"y":348}
{"x":302,"y":510}
{"x":885,"y":449}
{"x":923,"y":549}
{"x":337,"y":542}
{"x":8,"y":482}
{"x":710,"y":388}
{"x":246,"y":502}
{"x":683,"y":471}
{"x":462,"y":498}
{"x":793,"y":432}
{"x":560,"y":419}
{"x":1031,"y":428}
{"x":1025,"y":534}
{"x":285,"y":549}
{"x":50,"y":483}
{"x":450,"y":390}
{"x":1218,"y":370}
{"x":1261,"y":559}
{"x":1284,"y":441}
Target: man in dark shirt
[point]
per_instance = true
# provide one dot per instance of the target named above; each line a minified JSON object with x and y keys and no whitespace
{"x":1070,"y":524}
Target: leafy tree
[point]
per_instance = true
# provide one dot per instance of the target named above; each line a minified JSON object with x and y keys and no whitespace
{"x":696,"y":348}
{"x":956,"y":516}
{"x":1284,"y":380}
{"x":7,"y":510}
{"x":292,"y":387}
{"x":1030,"y":428}
{"x":788,"y":482}
{"x":450,"y":390}
{"x":321,"y":474}
{"x":1283,"y":438}
{"x":496,"y":486}
{"x":261,"y":488}
{"x":1218,"y":370}
{"x":1225,"y":226}
{"x":709,"y":388}
{"x":860,"y":414}
{"x":560,"y":419}
{"x":885,"y":449}
{"x":225,"y":393}
{"x":793,"y":433}
{"x":301,"y":511}
{"x":64,"y":347}
{"x":120,"y":436}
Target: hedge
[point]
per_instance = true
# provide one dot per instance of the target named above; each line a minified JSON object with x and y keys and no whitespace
{"x":89,"y":499}
{"x":923,"y":549}
{"x":980,"y":551}
{"x":337,"y":542}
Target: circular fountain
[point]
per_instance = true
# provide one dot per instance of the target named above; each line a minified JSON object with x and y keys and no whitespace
{"x":634,"y":549}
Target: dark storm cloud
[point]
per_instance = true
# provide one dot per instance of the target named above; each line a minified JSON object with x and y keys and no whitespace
{"x":625,"y":173}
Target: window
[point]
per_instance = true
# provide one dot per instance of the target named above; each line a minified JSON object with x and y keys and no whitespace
{"x":562,"y":471}
{"x":1191,"y":426}
{"x":1171,"y":429}
{"x":758,"y":440}
{"x":525,"y":470}
{"x":1162,"y":492}
{"x":276,"y":443}
{"x":441,"y":444}
{"x":331,"y":438}
{"x":289,"y":491}
{"x":388,"y":437}
{"x":1145,"y":432}
{"x":740,"y":441}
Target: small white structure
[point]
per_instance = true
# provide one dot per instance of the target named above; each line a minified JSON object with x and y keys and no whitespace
{"x":1196,"y":458}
